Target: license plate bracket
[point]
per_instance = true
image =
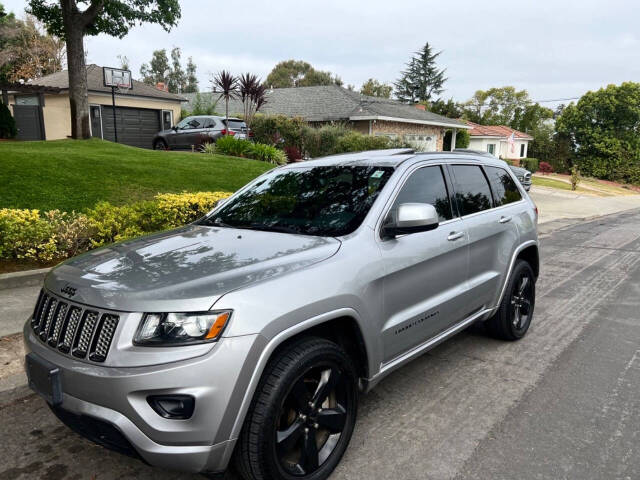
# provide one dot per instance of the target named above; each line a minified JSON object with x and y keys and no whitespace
{"x":44,"y":378}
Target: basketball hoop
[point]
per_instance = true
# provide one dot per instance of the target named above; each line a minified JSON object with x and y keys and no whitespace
{"x":116,"y":78}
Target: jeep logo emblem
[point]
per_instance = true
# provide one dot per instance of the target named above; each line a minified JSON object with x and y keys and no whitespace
{"x":68,"y":290}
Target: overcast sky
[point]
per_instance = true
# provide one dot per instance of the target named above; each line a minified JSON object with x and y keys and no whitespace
{"x":552,"y":48}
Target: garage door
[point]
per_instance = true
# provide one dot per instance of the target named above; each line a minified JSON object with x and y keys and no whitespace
{"x":136,"y":126}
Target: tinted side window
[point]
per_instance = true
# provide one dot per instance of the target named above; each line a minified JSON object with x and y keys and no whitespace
{"x":426,"y":185}
{"x":208,"y":123}
{"x":504,"y":188}
{"x":472,"y":190}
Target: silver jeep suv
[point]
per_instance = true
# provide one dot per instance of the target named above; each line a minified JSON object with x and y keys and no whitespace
{"x":246,"y":337}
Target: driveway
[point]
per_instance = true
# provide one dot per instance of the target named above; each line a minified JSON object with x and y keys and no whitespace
{"x":562,"y":403}
{"x":554,"y":204}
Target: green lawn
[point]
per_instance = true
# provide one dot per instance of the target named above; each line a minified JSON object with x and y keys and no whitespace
{"x":550,"y":182}
{"x":76,"y":174}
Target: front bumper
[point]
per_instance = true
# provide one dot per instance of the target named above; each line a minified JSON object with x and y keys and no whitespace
{"x":117,"y":396}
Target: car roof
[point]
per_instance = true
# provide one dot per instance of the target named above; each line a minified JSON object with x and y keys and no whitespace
{"x":214,"y":116}
{"x":396,"y":157}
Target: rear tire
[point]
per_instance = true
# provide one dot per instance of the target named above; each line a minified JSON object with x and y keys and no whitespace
{"x":160,"y":145}
{"x":513,"y":318}
{"x":302,"y":415}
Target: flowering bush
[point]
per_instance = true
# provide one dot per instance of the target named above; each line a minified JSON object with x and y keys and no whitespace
{"x":43,"y":237}
{"x":545,"y":168}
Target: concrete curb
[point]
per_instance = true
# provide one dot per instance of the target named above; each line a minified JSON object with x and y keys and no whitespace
{"x":28,"y":278}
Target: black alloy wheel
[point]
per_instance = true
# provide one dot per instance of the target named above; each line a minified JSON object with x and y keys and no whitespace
{"x":515,"y":313}
{"x":311,"y":420}
{"x":302,"y":415}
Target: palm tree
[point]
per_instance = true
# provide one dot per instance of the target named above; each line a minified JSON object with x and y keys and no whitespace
{"x":228,"y":85}
{"x":252,"y":94}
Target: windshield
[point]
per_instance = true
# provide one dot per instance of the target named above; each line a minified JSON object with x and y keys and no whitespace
{"x":324,"y":201}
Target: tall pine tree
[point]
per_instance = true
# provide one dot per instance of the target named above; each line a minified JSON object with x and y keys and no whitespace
{"x":421,"y":81}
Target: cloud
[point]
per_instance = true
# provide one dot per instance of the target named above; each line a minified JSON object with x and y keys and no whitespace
{"x":551,"y":48}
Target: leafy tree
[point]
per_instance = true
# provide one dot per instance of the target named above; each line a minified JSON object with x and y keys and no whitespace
{"x":68,"y":20}
{"x":124,"y":62}
{"x":297,"y":73}
{"x":27,"y":51}
{"x":422,"y":79}
{"x":192,"y":80}
{"x":506,"y":106}
{"x":252,"y":94}
{"x":603,"y":126}
{"x":374,"y":88}
{"x":447,"y":109}
{"x":157,"y":70}
{"x":177,"y":77}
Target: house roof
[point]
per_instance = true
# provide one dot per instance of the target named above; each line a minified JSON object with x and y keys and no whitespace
{"x":332,"y":103}
{"x":95,"y":83}
{"x":501,"y":131}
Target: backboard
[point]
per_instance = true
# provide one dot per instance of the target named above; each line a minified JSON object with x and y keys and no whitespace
{"x":116,"y":77}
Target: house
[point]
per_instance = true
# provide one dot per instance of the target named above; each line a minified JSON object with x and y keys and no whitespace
{"x":499,"y":140}
{"x":369,"y":115}
{"x":42,"y":111}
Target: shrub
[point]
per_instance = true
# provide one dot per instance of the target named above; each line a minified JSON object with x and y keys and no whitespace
{"x":229,"y":145}
{"x":321,"y":141}
{"x":278,"y":130}
{"x":209,"y":148}
{"x":545,"y":168}
{"x":7,"y":123}
{"x":530,"y":164}
{"x":267,"y":153}
{"x":42,"y":237}
{"x":575,"y":177}
{"x":355,"y":142}
{"x":293,"y":153}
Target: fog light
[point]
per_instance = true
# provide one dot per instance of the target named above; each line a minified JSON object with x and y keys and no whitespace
{"x":175,"y":407}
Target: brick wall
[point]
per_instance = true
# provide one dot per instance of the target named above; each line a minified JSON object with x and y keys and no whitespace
{"x":399,"y":128}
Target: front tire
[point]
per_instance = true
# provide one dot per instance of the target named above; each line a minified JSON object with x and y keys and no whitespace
{"x":513,"y":318}
{"x":302,"y":414}
{"x":160,"y":145}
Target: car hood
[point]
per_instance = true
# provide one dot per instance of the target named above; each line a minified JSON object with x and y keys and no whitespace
{"x":186,"y":269}
{"x":519,"y":170}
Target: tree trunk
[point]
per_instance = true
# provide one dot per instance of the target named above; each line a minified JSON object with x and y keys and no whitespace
{"x":78,"y":95}
{"x":227,"y":113}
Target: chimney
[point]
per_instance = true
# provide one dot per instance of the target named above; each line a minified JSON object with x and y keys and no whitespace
{"x":162,"y":86}
{"x":419,"y":106}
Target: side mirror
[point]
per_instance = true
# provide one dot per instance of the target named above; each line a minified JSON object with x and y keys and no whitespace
{"x":412,"y":218}
{"x":174,"y":128}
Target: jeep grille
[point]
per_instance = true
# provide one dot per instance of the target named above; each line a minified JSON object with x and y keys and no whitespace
{"x":73,"y":329}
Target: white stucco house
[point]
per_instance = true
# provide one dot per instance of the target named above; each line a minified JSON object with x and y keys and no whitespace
{"x":499,"y":140}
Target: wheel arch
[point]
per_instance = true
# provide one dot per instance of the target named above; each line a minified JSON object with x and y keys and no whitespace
{"x":531,"y":256}
{"x":342,"y":326}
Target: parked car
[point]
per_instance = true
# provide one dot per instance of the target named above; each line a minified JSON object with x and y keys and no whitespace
{"x":199,"y":129}
{"x":523,"y":175}
{"x":247,"y":336}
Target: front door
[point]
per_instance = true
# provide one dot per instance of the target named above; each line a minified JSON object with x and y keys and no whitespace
{"x":425,"y":273}
{"x":27,"y":113}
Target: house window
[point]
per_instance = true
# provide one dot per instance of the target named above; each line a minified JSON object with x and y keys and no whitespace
{"x":522,"y":150}
{"x":27,"y":100}
{"x":491,"y":148}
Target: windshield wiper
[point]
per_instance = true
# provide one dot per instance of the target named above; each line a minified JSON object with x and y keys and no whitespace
{"x":219,"y":223}
{"x":271,"y":228}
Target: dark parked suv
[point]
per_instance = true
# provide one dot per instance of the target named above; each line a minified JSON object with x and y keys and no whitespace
{"x":196,"y":130}
{"x":247,"y":336}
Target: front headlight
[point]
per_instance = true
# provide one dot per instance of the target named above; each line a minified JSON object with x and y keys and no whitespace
{"x":166,"y":329}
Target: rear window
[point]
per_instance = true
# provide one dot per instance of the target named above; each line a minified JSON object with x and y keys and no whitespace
{"x":472,"y":190}
{"x":235,"y":124}
{"x":504,"y":188}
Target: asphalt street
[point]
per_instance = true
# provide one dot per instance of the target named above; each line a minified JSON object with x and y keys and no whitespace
{"x":562,"y":403}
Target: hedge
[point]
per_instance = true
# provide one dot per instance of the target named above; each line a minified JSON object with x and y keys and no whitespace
{"x":45,"y":236}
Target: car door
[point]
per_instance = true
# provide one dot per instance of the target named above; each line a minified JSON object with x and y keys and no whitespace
{"x":492,"y":234}
{"x":424,"y":272}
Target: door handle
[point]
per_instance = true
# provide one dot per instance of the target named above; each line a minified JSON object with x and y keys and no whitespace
{"x":505,"y":219}
{"x":453,"y":236}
